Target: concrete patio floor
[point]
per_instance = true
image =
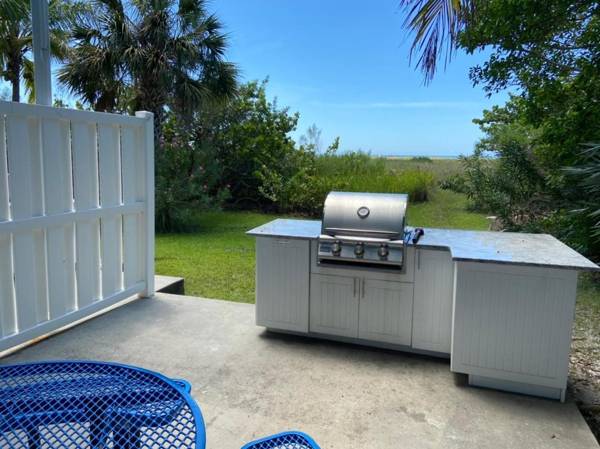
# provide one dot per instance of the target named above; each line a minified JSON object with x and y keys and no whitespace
{"x":251,"y":383}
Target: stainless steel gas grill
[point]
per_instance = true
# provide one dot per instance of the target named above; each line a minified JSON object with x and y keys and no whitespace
{"x":363,"y":228}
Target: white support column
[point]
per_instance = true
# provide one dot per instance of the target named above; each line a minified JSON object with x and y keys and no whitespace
{"x":41,"y":52}
{"x":149,"y":200}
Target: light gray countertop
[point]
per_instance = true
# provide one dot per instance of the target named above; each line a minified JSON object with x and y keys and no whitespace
{"x":471,"y":246}
{"x":282,"y":227}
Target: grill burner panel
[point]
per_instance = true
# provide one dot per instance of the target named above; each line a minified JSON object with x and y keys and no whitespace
{"x":384,"y":253}
{"x":363,"y":228}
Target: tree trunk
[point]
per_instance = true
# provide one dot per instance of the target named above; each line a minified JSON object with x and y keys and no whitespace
{"x":158,"y":124}
{"x":151,"y":99}
{"x":13,"y":68}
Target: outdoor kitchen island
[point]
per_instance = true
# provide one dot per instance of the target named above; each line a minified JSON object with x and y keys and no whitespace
{"x":499,"y":304}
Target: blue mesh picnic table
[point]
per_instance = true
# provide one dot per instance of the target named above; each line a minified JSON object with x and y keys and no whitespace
{"x":284,"y":440}
{"x":95,"y":405}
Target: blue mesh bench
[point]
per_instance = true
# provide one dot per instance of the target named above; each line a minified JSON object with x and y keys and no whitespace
{"x":95,"y":405}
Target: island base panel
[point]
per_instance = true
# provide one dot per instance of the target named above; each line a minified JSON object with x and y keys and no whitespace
{"x":517,"y":387}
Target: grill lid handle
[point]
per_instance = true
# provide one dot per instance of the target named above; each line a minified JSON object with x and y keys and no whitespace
{"x":363,"y":212}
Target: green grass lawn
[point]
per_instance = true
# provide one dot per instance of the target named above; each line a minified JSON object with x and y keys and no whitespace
{"x":217,"y":260}
{"x":445,"y":209}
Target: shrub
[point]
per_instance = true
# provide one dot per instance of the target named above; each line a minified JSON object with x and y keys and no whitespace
{"x":455,"y":182}
{"x":250,"y":137}
{"x":415,"y":183}
{"x":424,"y":159}
{"x":353,"y":172}
{"x":241,"y":153}
{"x":187,"y":178}
{"x":257,"y":154}
{"x":584,"y":224}
{"x":503,"y":176}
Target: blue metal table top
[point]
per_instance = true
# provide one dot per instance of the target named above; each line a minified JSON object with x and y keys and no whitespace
{"x":95,"y":405}
{"x":285,"y":440}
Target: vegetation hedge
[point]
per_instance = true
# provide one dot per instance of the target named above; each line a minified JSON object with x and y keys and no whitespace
{"x":352,"y":172}
{"x":240,"y":155}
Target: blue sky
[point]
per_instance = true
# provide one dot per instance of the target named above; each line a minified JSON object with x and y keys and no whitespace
{"x":344,"y":66}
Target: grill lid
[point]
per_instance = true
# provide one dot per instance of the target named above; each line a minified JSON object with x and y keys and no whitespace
{"x":377,"y":215}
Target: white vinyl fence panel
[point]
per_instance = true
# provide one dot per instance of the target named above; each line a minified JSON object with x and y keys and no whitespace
{"x":76,"y":215}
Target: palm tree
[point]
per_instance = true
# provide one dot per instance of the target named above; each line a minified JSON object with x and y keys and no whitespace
{"x":435,"y":25}
{"x":149,"y":55}
{"x":11,"y":9}
{"x":16,"y":40}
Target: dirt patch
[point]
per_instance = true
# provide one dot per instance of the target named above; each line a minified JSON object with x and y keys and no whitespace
{"x":584,"y":375}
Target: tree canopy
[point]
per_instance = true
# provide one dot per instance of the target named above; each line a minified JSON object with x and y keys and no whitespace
{"x":148,"y":55}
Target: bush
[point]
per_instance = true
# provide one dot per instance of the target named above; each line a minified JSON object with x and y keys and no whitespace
{"x":187,"y":178}
{"x":353,"y":172}
{"x":240,"y":154}
{"x":526,"y":194}
{"x":509,"y":184}
{"x":263,"y":168}
{"x":583,"y":226}
{"x":252,"y":140}
{"x":455,"y":182}
{"x":359,"y":172}
{"x":423,"y":159}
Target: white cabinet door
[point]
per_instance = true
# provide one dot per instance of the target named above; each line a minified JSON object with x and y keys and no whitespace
{"x":282,"y":283}
{"x":512,"y":326}
{"x":334,"y":305}
{"x":432,"y":317}
{"x":385,"y":311}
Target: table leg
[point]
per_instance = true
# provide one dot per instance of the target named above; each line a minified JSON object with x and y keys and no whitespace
{"x":98,"y":432}
{"x":126,"y":436}
{"x":33,"y":437}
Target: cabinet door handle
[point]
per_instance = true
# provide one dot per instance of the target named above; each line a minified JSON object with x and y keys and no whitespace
{"x":363,"y":288}
{"x":418,"y":260}
{"x":354,"y":284}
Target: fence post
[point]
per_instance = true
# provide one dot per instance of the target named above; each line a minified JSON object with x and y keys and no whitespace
{"x":41,"y":52}
{"x":149,"y":209}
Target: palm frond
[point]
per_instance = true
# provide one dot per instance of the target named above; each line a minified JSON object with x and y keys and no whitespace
{"x":11,"y":10}
{"x":435,"y":25}
{"x":28,"y":78}
{"x":191,"y":11}
{"x":16,"y":38}
{"x":588,"y":176}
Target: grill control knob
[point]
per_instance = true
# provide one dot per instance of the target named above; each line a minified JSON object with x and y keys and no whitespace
{"x":359,"y":249}
{"x":383,"y":251}
{"x":336,"y":248}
